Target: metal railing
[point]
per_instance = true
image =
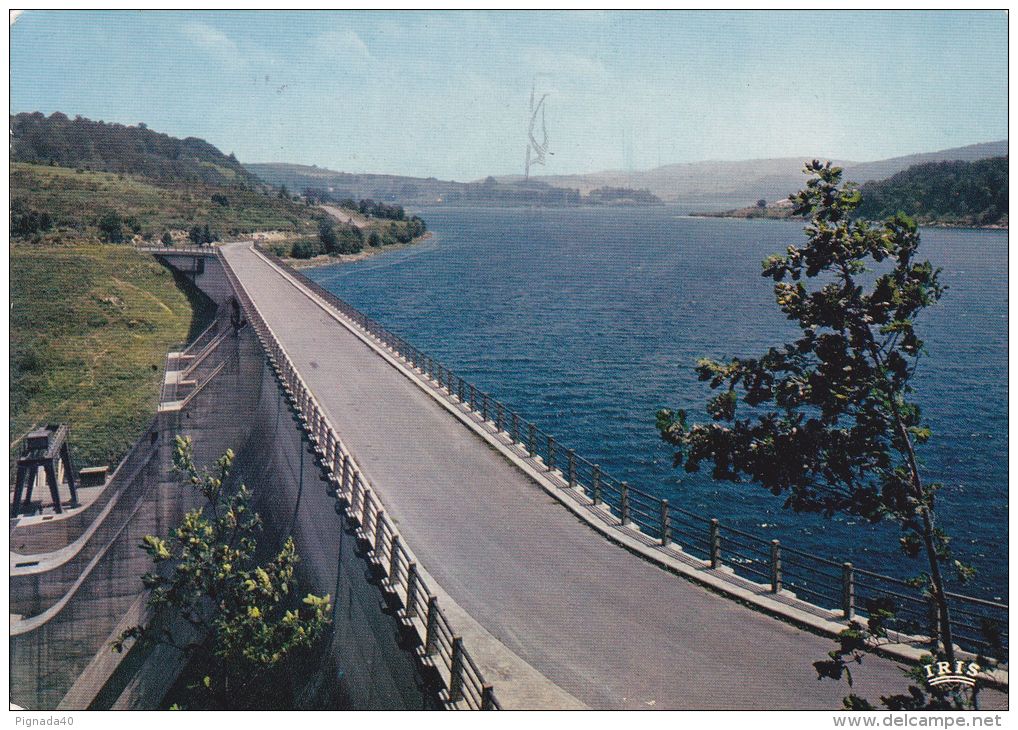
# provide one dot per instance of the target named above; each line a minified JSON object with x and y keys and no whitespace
{"x":838,"y":589}
{"x":439,"y":645}
{"x":199,"y":250}
{"x":188,"y":358}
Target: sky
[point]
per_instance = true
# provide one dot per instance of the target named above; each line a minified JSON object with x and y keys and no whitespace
{"x":447,"y":93}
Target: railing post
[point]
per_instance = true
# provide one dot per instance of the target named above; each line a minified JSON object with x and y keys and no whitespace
{"x":715,"y":543}
{"x":532,"y":439}
{"x":571,"y":454}
{"x":499,"y":415}
{"x":411,"y":590}
{"x":346,"y":474}
{"x":847,"y":590}
{"x":484,"y":407}
{"x":487,"y":697}
{"x":379,"y":517}
{"x":775,"y":566}
{"x":624,"y":506}
{"x":933,"y":617}
{"x":393,"y":560}
{"x":597,"y":484}
{"x":431,"y":627}
{"x":551,"y":454}
{"x":473,"y":397}
{"x":353,"y":496}
{"x":460,"y":388}
{"x":516,"y":428}
{"x":366,"y":502}
{"x":666,"y":524}
{"x":456,"y":670}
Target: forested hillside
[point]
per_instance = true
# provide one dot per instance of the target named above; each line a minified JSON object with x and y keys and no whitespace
{"x":99,"y":146}
{"x":942,"y":193}
{"x":78,"y":181}
{"x":91,"y":319}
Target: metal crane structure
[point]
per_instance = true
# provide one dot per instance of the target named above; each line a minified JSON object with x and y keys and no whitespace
{"x":536,"y":151}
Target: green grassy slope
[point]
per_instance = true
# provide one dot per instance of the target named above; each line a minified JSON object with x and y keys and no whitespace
{"x":90,"y":328}
{"x":76,"y":199}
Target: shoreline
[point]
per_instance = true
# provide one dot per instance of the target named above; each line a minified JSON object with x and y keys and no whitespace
{"x":321,"y":260}
{"x":992,"y":227}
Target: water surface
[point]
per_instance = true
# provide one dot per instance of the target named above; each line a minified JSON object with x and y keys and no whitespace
{"x":587,"y":321}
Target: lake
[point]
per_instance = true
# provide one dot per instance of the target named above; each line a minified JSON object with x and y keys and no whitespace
{"x":586,"y":321}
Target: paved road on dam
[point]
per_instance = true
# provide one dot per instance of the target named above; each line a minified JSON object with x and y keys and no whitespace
{"x":606,"y":626}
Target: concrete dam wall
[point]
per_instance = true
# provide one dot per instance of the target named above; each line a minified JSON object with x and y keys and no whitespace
{"x":371,"y":664}
{"x":75,"y":578}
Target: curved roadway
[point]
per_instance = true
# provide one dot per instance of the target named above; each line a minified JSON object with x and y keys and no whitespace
{"x":606,"y":626}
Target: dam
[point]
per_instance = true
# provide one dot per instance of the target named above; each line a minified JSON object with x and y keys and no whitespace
{"x":474,"y":562}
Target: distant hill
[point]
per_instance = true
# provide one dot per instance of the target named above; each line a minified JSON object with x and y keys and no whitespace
{"x":116,"y":148}
{"x":866,"y":171}
{"x":74,"y":181}
{"x":954,"y":193}
{"x":716,"y":185}
{"x":943,"y":193}
{"x":719,"y":184}
{"x":388,"y":188}
{"x":432,"y":191}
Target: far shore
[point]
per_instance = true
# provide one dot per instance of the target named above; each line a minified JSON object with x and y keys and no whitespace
{"x":742,"y":215}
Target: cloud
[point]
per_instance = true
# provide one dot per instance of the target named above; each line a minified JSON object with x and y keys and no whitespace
{"x":215,"y":43}
{"x":342,"y":45}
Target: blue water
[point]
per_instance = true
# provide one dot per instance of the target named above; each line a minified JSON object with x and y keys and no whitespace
{"x":588,"y":321}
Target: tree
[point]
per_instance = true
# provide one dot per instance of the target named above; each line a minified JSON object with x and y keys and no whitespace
{"x":826,"y":421}
{"x":201,"y":235}
{"x":208,"y":235}
{"x":283,"y":192}
{"x":220,"y":199}
{"x":327,"y":235}
{"x":305,"y":248}
{"x":167,"y":239}
{"x":111,"y":227}
{"x":246,"y":622}
{"x":26,"y":221}
{"x":351,"y":240}
{"x":761,"y":203}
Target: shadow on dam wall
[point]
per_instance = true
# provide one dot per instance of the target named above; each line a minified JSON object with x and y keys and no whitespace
{"x":60,"y":655}
{"x":369,"y":665}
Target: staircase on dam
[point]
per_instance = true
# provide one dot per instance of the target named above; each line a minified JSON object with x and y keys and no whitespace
{"x":474,"y":561}
{"x":75,"y":576}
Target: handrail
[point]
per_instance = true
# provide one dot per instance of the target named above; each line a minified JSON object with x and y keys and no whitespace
{"x":201,"y":386}
{"x":854,"y":587}
{"x":201,"y":250}
{"x":464,"y":685}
